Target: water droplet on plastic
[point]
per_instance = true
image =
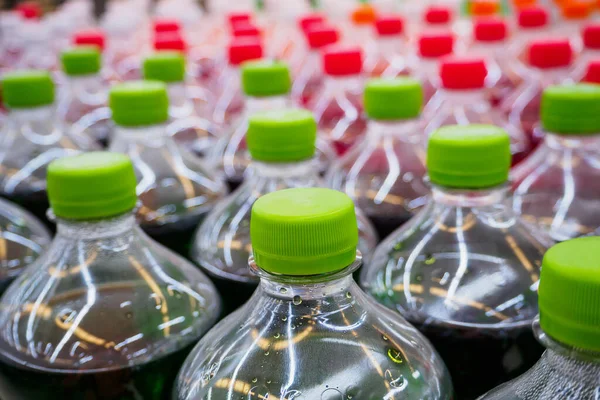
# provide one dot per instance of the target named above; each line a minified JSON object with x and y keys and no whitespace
{"x":284,"y":318}
{"x":258,"y":392}
{"x":277,"y":335}
{"x":268,"y":381}
{"x":297,"y":300}
{"x":283,"y":290}
{"x":349,"y":295}
{"x":332,"y":394}
{"x":429,"y":259}
{"x":395,"y":378}
{"x":254,"y":380}
{"x":385,"y":338}
{"x":267,"y":353}
{"x":395,"y":355}
{"x":292,"y":395}
{"x":129,"y":315}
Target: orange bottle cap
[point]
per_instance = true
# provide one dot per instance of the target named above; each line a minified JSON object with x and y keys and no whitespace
{"x":576,"y":10}
{"x":364,"y":14}
{"x":481,"y":8}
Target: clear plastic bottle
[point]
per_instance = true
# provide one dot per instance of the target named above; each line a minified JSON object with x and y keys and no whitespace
{"x":23,"y":240}
{"x":557,"y":187}
{"x":188,"y":104}
{"x":282,"y":146}
{"x":549,"y":64}
{"x":388,"y":60}
{"x":424,"y":66}
{"x":83,"y":105}
{"x":309,"y":332}
{"x":567,"y":326}
{"x":575,"y":14}
{"x":310,"y":79}
{"x":107,"y":313}
{"x":590,"y":51}
{"x":338,"y":107}
{"x":175,"y":187}
{"x":229,"y":105}
{"x":462,"y":100}
{"x":359,"y":30}
{"x":384,"y":173}
{"x":465,"y":269}
{"x":32,"y":137}
{"x":490,"y":39}
{"x":435,"y":20}
{"x":533,"y":24}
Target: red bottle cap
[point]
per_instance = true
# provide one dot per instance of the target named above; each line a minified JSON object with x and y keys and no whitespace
{"x":245,"y":28}
{"x":244,"y":49}
{"x":463,"y":73}
{"x":436,"y":45}
{"x":236,"y":17}
{"x":591,"y":36}
{"x":29,"y":10}
{"x":169,"y":41}
{"x":389,"y":25}
{"x":90,"y":37}
{"x":319,"y":36}
{"x":166,"y":25}
{"x":437,"y":15}
{"x":593,"y":72}
{"x":547,"y":54}
{"x":342,"y":61}
{"x":490,"y":30}
{"x":308,"y":20}
{"x":534,"y":17}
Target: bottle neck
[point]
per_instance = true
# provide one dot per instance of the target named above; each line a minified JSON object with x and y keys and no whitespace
{"x":335,"y":85}
{"x":469,"y":198}
{"x":548,"y":76}
{"x":403,"y":129}
{"x":258,"y":104}
{"x":180,"y":105}
{"x":313,"y":287}
{"x":568,"y":361}
{"x":37,"y":124}
{"x":572,"y":142}
{"x":142,"y":134}
{"x":307,"y":169}
{"x":390,"y":46}
{"x":463,"y":98}
{"x":89,"y":89}
{"x":95,"y":229}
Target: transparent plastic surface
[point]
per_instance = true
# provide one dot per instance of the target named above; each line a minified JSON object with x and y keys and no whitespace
{"x":175,"y":187}
{"x":309,"y":81}
{"x":229,"y":106}
{"x":427,"y":72}
{"x":84,"y":107}
{"x":385,"y":173}
{"x":465,"y":270}
{"x":313,"y":337}
{"x":105,"y":313}
{"x":22,"y":240}
{"x":222,"y":242}
{"x":30,"y":140}
{"x":563,"y":372}
{"x":387,"y":59}
{"x":338,"y":110}
{"x":557,"y":187}
{"x":452,"y":107}
{"x":230,"y":154}
{"x":189,"y":113}
{"x":523,"y":106}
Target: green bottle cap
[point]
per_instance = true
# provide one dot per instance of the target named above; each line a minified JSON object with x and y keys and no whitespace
{"x":139,"y":103}
{"x":92,"y":185}
{"x":569,"y":293}
{"x":282,"y":135}
{"x":165,"y":66}
{"x":571,"y":109}
{"x":27,"y":89}
{"x":81,"y":60}
{"x":468,"y":157}
{"x":303,"y":231}
{"x":393,"y":99}
{"x":265,"y":78}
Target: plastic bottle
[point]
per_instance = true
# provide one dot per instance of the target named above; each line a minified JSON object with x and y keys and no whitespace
{"x":462,"y":100}
{"x":425,"y":64}
{"x":557,"y":187}
{"x":188,"y":104}
{"x":338,"y":108}
{"x":465,"y":269}
{"x":360,"y":30}
{"x":388,"y":59}
{"x":310,"y":79}
{"x":229,"y":105}
{"x":590,"y":51}
{"x":23,"y":239}
{"x":309,"y":331}
{"x":282,"y":146}
{"x":384,"y":173}
{"x":549,"y":63}
{"x":97,"y":38}
{"x":175,"y":187}
{"x":83,"y":106}
{"x":107,"y":312}
{"x":568,"y":294}
{"x":490,"y":40}
{"x":575,"y":15}
{"x":435,"y":20}
{"x":32,"y":137}
{"x":533,"y":24}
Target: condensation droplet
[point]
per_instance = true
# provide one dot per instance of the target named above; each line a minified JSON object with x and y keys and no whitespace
{"x":385,"y":338}
{"x":254,"y":380}
{"x":349,"y":295}
{"x":429,"y":259}
{"x":395,"y":355}
{"x":297,"y":300}
{"x":277,"y":335}
{"x":283,"y":290}
{"x":284,"y":318}
{"x":331,"y":394}
{"x":258,"y":392}
{"x":267,"y":353}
